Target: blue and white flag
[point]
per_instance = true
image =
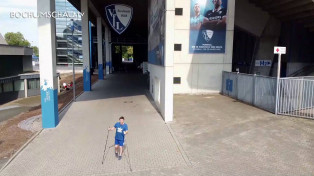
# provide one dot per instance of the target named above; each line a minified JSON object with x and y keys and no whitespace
{"x":119,"y":16}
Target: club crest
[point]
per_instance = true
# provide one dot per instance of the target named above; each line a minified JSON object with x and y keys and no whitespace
{"x":208,"y":34}
{"x":119,"y":16}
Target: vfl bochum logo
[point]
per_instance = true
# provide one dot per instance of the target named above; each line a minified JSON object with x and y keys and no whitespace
{"x":119,"y":16}
{"x":208,"y":34}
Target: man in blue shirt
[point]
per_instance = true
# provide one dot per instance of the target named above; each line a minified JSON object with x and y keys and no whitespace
{"x":121,"y":130}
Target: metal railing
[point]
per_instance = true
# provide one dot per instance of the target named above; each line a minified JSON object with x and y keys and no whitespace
{"x":296,"y":97}
{"x":259,"y":91}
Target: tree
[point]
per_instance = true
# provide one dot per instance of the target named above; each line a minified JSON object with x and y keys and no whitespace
{"x":35,"y":50}
{"x":16,"y":39}
{"x":127,"y":51}
{"x":130,"y":50}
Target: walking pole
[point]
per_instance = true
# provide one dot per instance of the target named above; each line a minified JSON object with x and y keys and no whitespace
{"x":128,"y":157}
{"x":103,"y":157}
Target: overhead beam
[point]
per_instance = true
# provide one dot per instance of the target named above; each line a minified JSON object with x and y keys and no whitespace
{"x":256,"y":1}
{"x":295,"y":11}
{"x":290,"y":5}
{"x":304,"y":15}
{"x":261,"y":2}
{"x":276,"y":4}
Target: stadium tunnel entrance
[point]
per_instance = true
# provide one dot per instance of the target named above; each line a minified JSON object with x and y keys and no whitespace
{"x":111,"y":36}
{"x":127,"y":51}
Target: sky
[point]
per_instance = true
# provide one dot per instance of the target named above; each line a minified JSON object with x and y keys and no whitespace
{"x":27,"y":26}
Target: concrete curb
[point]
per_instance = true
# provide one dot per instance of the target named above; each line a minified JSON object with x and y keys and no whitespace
{"x":184,"y":155}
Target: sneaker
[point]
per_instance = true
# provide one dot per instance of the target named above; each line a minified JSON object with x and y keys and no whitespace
{"x":116,"y":155}
{"x":120,"y":157}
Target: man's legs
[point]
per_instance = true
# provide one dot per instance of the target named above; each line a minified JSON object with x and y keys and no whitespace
{"x":116,"y":148}
{"x":120,"y":152}
{"x":121,"y":143}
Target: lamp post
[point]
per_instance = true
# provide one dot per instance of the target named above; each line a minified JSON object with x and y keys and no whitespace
{"x":73,"y":68}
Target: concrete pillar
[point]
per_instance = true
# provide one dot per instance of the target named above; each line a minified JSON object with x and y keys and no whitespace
{"x":227,"y":60}
{"x":110,"y":54}
{"x":107,"y":49}
{"x":48,"y":76}
{"x":110,"y":60}
{"x":58,"y":84}
{"x":168,"y":67}
{"x":99,"y":49}
{"x":85,"y":46}
{"x":25,"y":88}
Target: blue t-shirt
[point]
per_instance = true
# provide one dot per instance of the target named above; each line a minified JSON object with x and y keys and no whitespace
{"x":120,"y":129}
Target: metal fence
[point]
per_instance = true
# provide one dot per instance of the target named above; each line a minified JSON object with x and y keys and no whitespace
{"x":259,"y":91}
{"x":296,"y":97}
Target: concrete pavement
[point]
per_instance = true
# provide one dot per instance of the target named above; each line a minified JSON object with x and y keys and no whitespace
{"x":76,"y":146}
{"x":222,"y":136}
{"x":219,"y":136}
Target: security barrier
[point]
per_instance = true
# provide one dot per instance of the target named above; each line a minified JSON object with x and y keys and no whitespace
{"x":259,"y":91}
{"x":295,"y":97}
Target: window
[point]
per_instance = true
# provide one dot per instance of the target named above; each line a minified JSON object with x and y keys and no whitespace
{"x":179,"y":11}
{"x":33,"y":84}
{"x":8,"y":87}
{"x":18,"y":85}
{"x":177,"y":80}
{"x":177,"y":47}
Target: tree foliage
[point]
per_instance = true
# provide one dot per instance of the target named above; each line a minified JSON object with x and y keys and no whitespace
{"x":35,"y":50}
{"x":127,"y":51}
{"x":16,"y":39}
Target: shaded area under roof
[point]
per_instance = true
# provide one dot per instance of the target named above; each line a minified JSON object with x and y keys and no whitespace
{"x":301,"y":11}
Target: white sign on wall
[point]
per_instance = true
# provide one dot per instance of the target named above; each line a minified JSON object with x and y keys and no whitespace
{"x":279,"y":50}
{"x":263,"y":63}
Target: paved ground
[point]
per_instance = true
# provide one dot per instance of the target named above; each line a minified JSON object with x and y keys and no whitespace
{"x":219,"y":135}
{"x":222,"y":136}
{"x":76,"y":146}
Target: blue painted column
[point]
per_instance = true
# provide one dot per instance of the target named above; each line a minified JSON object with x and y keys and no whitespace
{"x":48,"y":76}
{"x":110,"y":54}
{"x":90,"y":44}
{"x":99,"y":49}
{"x":107,"y":31}
{"x":85,"y":46}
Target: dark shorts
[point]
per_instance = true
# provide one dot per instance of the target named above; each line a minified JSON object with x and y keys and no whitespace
{"x":119,"y":142}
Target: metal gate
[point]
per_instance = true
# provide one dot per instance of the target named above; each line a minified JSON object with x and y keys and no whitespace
{"x":296,"y":97}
